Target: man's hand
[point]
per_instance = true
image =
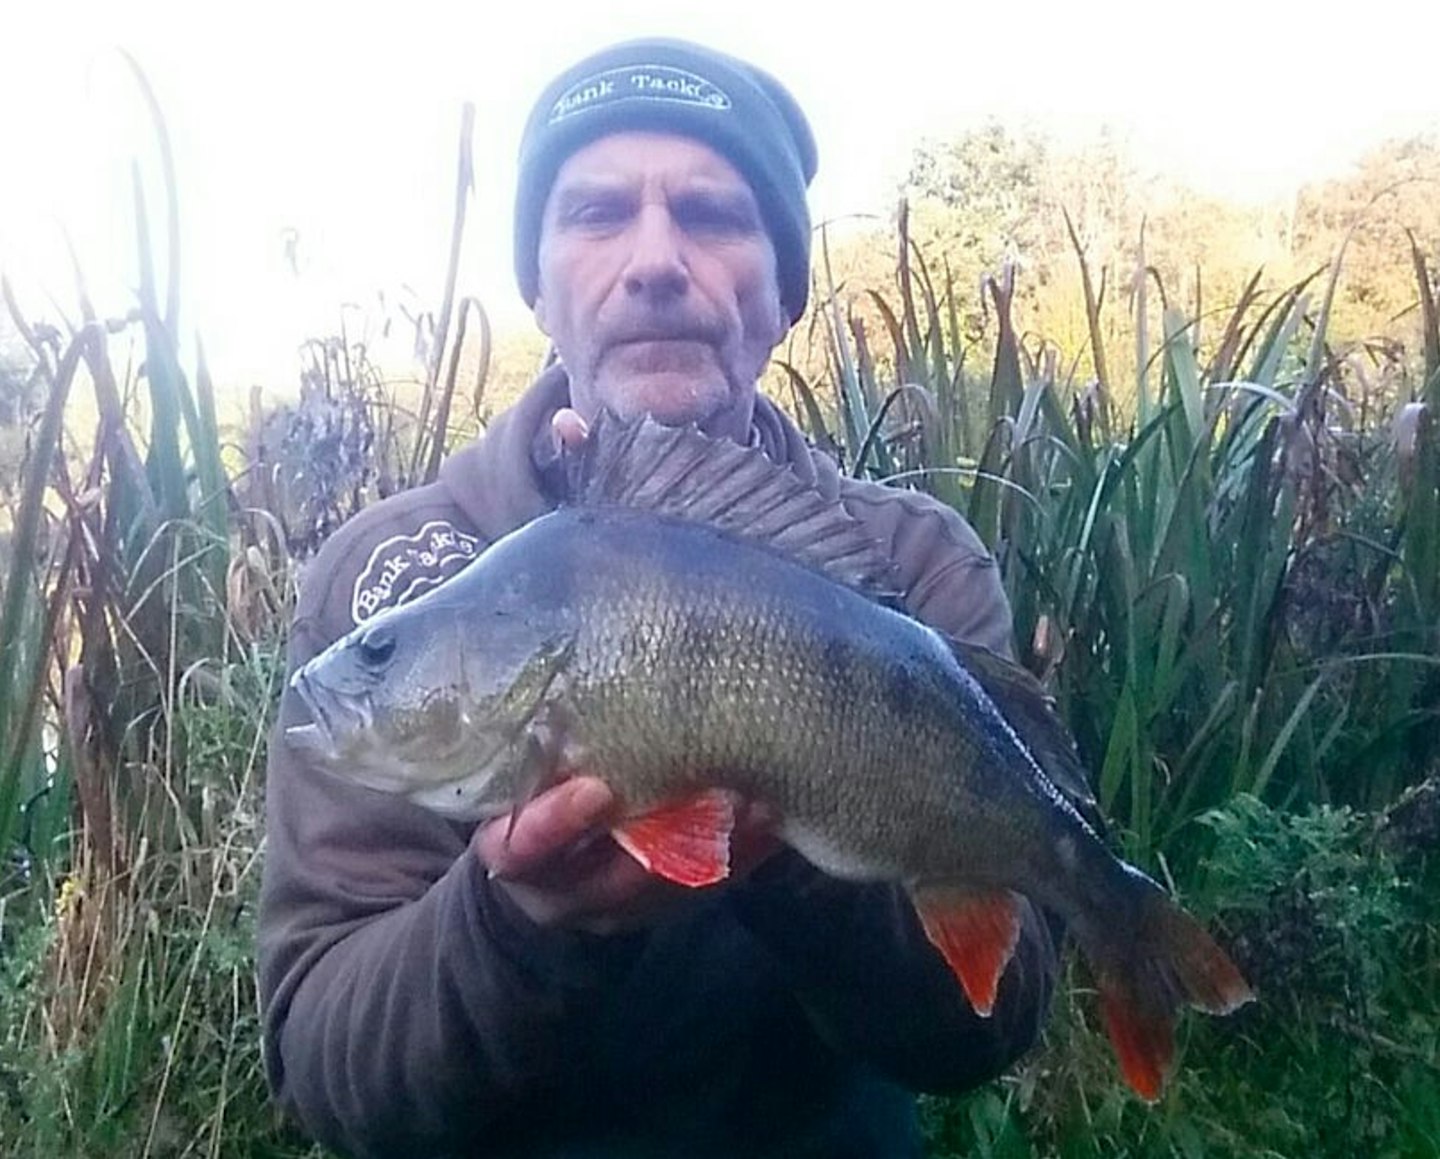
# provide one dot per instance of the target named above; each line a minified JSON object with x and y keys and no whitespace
{"x":562,"y":869}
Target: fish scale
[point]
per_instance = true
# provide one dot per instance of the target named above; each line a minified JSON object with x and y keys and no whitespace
{"x":763,"y":704}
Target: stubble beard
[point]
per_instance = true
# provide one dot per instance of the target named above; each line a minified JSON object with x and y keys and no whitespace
{"x":677,"y":383}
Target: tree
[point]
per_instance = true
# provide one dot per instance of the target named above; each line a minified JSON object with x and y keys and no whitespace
{"x":1394,"y":187}
{"x":979,"y":197}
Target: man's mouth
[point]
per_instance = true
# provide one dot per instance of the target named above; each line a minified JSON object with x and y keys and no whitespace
{"x":660,"y":352}
{"x":641,"y":337}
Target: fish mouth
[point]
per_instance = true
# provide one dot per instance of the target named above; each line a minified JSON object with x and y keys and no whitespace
{"x":330,"y":717}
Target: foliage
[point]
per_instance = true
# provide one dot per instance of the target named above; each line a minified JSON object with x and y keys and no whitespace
{"x":1337,"y":929}
{"x":1219,"y":530}
{"x":994,"y":195}
{"x":18,"y":399}
{"x":141,"y":633}
{"x":1389,"y":192}
{"x":341,"y":445}
{"x":127,"y":873}
{"x":353,"y":437}
{"x":987,"y":190}
{"x":1227,"y":577}
{"x":1220,"y":606}
{"x":128,"y":1013}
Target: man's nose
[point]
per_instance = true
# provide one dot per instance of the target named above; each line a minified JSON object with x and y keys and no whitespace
{"x":656,"y":267}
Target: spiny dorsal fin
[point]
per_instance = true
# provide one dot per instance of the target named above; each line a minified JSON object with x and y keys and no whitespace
{"x":682,"y":473}
{"x":1023,"y":702}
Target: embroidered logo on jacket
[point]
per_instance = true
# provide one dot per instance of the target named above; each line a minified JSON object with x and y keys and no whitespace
{"x":404,"y":566}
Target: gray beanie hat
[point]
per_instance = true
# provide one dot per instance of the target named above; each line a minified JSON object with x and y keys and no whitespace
{"x":673,"y":86}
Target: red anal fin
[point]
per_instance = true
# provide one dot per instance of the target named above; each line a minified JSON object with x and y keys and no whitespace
{"x":1144,"y":1044}
{"x":685,"y":841}
{"x":976,"y":932}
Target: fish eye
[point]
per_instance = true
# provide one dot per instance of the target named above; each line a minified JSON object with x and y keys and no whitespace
{"x":377,"y":646}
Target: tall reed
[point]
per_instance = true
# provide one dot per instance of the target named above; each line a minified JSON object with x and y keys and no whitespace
{"x":133,"y":708}
{"x":1219,"y":603}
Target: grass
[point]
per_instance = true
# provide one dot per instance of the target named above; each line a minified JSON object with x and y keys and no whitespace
{"x":128,"y":1014}
{"x":1337,"y":930}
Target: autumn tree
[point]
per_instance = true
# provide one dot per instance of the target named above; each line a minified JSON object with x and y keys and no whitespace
{"x":1393,"y":188}
{"x":993,"y":195}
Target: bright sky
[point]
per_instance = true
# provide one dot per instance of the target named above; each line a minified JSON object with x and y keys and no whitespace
{"x":340,"y":122}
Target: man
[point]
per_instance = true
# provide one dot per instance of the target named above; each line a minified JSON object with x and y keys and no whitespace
{"x":436,"y":989}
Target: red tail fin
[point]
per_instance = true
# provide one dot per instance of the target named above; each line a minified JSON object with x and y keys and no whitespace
{"x":1171,"y":962}
{"x":1144,"y":1043}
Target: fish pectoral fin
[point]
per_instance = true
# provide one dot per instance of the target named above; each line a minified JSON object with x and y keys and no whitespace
{"x":535,"y":766}
{"x":686,"y":841}
{"x":976,"y":932}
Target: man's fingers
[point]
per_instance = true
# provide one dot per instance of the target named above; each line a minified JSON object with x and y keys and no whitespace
{"x":569,"y":428}
{"x":553,"y":821}
{"x":611,"y":885}
{"x":557,"y":862}
{"x":755,"y":837}
{"x":610,"y":893}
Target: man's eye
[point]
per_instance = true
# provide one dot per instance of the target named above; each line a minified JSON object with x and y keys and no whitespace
{"x":707,"y":215}
{"x":597,"y":213}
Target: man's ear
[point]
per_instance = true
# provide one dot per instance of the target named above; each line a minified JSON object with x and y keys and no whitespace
{"x":782,"y":321}
{"x":539,"y":311}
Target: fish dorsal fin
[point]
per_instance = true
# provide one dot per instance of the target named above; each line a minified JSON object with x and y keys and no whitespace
{"x":1023,"y":702}
{"x":682,"y":473}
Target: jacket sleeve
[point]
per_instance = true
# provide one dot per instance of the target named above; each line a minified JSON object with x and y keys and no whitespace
{"x":402,"y":996}
{"x":946,"y":576}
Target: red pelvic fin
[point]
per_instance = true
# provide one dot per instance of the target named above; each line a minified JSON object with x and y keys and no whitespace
{"x":976,"y":932}
{"x":685,"y":841}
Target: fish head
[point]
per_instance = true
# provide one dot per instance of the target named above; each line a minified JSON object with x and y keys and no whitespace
{"x":433,"y":699}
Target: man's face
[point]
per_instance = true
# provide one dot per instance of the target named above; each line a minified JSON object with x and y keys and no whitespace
{"x":658,"y":283}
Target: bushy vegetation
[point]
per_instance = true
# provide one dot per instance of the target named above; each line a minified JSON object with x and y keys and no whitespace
{"x":1221,"y":541}
{"x":1231,"y":586}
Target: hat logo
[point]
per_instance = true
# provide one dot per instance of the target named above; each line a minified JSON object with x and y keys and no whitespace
{"x":650,"y":82}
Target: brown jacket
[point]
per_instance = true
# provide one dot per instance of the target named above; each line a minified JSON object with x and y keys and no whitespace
{"x":410,"y":1009}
